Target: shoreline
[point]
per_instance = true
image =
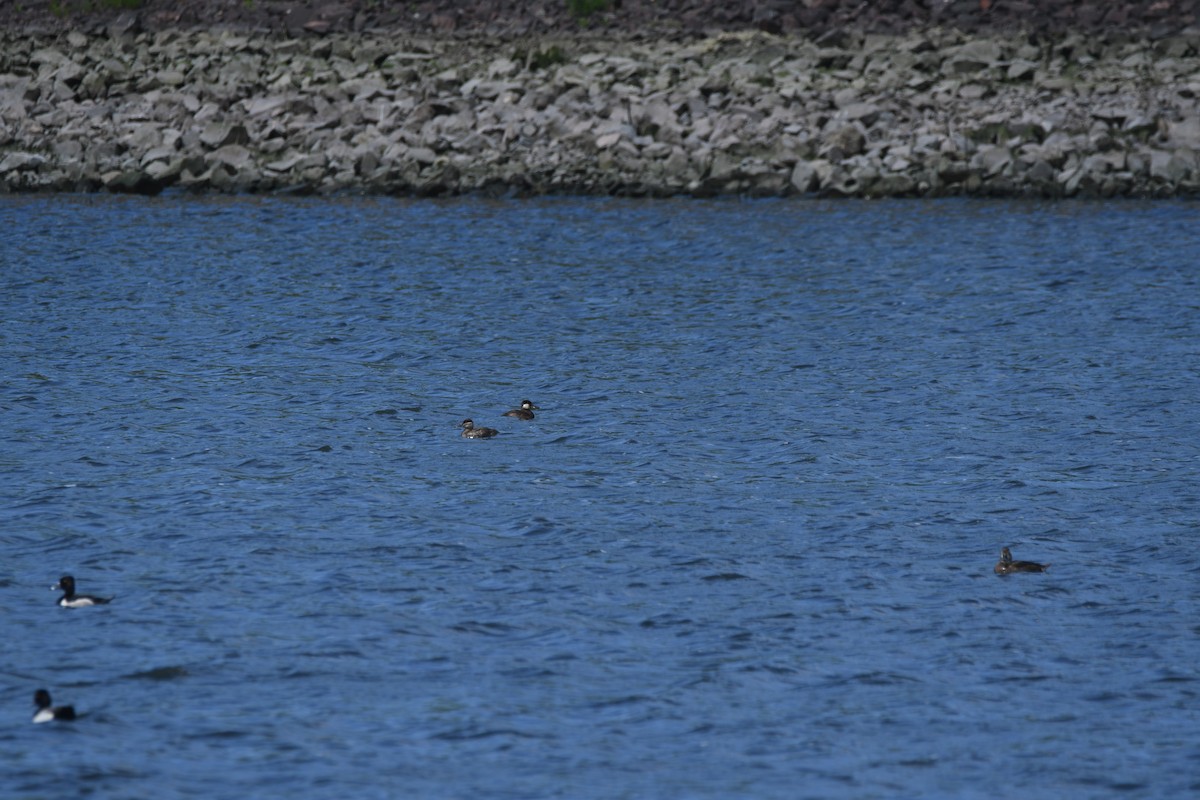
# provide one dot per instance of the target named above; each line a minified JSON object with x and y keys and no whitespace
{"x":927,"y":113}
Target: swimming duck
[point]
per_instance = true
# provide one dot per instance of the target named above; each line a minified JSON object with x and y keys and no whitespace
{"x":1006,"y":564}
{"x":471,"y":432}
{"x":72,"y":600}
{"x":46,"y":712}
{"x":524,"y":412}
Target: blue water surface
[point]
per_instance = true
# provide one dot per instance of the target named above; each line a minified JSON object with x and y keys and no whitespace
{"x":744,"y":550}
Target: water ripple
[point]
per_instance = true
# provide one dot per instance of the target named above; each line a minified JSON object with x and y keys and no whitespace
{"x":744,"y":550}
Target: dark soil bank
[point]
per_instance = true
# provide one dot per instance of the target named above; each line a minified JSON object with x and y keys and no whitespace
{"x":813,"y":18}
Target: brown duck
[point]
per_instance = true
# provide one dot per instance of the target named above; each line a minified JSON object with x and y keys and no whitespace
{"x":471,"y":432}
{"x":1006,"y":564}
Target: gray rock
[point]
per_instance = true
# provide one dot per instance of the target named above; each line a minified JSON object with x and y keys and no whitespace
{"x":226,"y":178}
{"x":143,"y":136}
{"x":70,"y":73}
{"x":1078,"y":180}
{"x":269,"y":105}
{"x":662,"y":121}
{"x":728,"y":114}
{"x":164,"y":172}
{"x":219,"y":133}
{"x":367,"y":163}
{"x":894,"y":185}
{"x":1040,"y":173}
{"x":1021,"y":70}
{"x":130,"y":180}
{"x":231,"y":155}
{"x":846,"y":97}
{"x":1056,"y":147}
{"x":1138,"y":163}
{"x":1101,"y":163}
{"x":656,"y":150}
{"x":843,"y":142}
{"x":47,"y":56}
{"x":171,"y":77}
{"x":805,"y":178}
{"x":866,"y":113}
{"x":724,"y":166}
{"x":19,"y":162}
{"x":606,"y":140}
{"x":364,"y":90}
{"x":421,"y":155}
{"x":1112,"y":114}
{"x":972,"y":92}
{"x":849,"y":183}
{"x":1140,"y":126}
{"x":94,"y":84}
{"x":950,"y":170}
{"x":992,"y":159}
{"x":12,"y":101}
{"x":972,"y":57}
{"x":833,"y":58}
{"x":286,"y":163}
{"x":766,"y":182}
{"x":67,"y":150}
{"x":1185,"y":133}
{"x":1173,"y":167}
{"x":160,"y":153}
{"x":308,"y":164}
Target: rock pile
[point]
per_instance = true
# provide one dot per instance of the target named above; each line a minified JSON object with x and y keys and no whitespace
{"x":922,"y":113}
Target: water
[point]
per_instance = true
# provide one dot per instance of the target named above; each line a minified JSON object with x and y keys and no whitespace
{"x":744,"y":550}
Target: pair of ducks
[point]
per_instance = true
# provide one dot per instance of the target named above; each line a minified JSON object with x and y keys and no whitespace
{"x":46,"y":710}
{"x":471,"y":432}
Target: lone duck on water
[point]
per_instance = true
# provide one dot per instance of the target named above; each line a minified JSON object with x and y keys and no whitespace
{"x":1006,"y":564}
{"x":524,"y":412}
{"x":47,"y":711}
{"x":72,"y":600}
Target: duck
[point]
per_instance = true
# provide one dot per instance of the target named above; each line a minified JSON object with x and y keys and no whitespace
{"x":72,"y":600}
{"x":524,"y":412}
{"x":47,"y":712}
{"x":1006,"y":564}
{"x":471,"y":432}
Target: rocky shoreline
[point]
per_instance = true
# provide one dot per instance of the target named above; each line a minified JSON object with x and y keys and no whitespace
{"x":917,"y":113}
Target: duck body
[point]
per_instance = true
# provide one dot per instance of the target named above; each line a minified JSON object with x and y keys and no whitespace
{"x":71,"y":600}
{"x":1006,"y":565}
{"x":46,"y":712}
{"x":524,"y":412}
{"x":471,"y":432}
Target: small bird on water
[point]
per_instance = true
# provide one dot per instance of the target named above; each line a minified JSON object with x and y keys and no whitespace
{"x":1006,"y":564}
{"x":524,"y":412}
{"x":72,"y":600}
{"x":47,"y":712}
{"x":471,"y":432}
